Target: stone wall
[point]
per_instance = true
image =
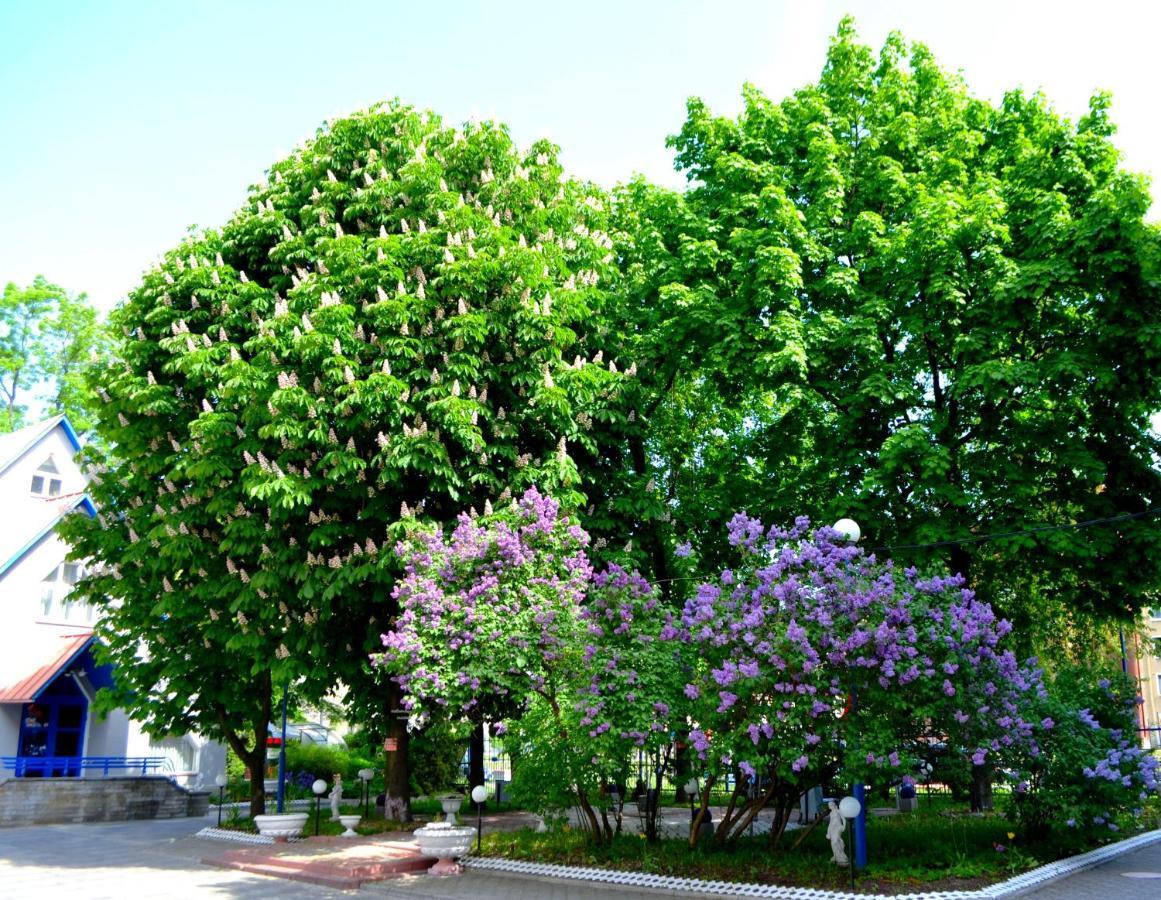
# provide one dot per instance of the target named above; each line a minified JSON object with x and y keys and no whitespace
{"x":43,"y":801}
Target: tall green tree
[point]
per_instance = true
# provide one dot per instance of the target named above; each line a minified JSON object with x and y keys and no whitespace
{"x":932,"y":313}
{"x":47,"y":339}
{"x":407,"y":319}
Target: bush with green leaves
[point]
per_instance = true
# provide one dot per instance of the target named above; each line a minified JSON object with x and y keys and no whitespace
{"x":1090,"y":769}
{"x":436,"y":752}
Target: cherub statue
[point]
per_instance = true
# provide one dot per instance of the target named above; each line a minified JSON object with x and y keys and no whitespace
{"x":336,"y":797}
{"x":834,"y":834}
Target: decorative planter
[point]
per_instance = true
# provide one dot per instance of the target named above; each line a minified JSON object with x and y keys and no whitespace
{"x":451,"y":805}
{"x":445,"y":842}
{"x":349,"y":823}
{"x":282,"y":826}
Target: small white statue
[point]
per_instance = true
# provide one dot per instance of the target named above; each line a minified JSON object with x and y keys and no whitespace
{"x":336,"y":796}
{"x":834,"y":833}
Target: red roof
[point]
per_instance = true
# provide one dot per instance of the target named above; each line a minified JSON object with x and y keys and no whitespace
{"x":56,"y":657}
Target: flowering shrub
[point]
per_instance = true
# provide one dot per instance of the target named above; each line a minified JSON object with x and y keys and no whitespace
{"x":509,"y":606}
{"x":1091,"y":769}
{"x":806,"y":660}
{"x":810,"y":658}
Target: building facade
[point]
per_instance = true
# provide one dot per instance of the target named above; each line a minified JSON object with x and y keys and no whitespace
{"x":1147,"y":651}
{"x":49,"y":673}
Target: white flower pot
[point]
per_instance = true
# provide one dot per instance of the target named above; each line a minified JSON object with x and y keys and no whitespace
{"x":446,"y":843}
{"x":281,"y":826}
{"x":349,"y":823}
{"x":451,"y":806}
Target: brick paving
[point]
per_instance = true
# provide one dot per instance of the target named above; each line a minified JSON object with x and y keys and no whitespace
{"x":161,"y":858}
{"x":1135,"y":875}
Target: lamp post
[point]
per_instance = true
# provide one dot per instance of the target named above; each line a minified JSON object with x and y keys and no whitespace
{"x":849,"y":531}
{"x":319,"y":788}
{"x":365,"y":776}
{"x":221,"y":781}
{"x":926,"y":769}
{"x":849,"y":809}
{"x":691,"y":792}
{"x":282,"y":750}
{"x":479,"y":795}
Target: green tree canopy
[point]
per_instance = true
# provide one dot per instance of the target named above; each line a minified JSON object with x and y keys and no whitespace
{"x":912,"y":306}
{"x":47,"y":340}
{"x":406,"y":319}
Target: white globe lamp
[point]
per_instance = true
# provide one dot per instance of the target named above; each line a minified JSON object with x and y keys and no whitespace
{"x":849,"y":529}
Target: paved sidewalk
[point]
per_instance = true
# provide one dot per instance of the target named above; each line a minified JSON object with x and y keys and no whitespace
{"x":1135,"y":875}
{"x":126,"y":861}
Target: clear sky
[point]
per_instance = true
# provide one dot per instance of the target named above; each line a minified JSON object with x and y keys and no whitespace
{"x":125,"y":123}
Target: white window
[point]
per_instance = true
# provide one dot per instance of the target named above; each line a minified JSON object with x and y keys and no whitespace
{"x":55,"y":588}
{"x":46,"y":481}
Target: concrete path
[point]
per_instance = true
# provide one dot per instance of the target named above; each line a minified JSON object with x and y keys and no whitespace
{"x":147,"y":859}
{"x":1135,"y":875}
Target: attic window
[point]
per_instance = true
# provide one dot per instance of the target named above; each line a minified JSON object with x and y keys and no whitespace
{"x":43,"y":482}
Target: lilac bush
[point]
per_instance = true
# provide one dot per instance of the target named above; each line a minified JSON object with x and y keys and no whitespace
{"x":1090,"y":774}
{"x":804,"y":661}
{"x":810,"y":658}
{"x":509,"y":606}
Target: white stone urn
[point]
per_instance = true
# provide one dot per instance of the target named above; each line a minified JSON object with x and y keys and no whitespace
{"x":350,"y":823}
{"x":451,"y":806}
{"x":446,"y":842}
{"x":281,"y":826}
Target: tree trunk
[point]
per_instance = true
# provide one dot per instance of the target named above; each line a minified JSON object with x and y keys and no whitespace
{"x":255,"y":761}
{"x":476,"y":756}
{"x":253,"y":757}
{"x":586,"y":810}
{"x":960,"y":562}
{"x":397,"y":774}
{"x":702,"y":813}
{"x":981,"y":791}
{"x":681,"y":768}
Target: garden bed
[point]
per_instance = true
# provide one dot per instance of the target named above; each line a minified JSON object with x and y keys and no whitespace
{"x":931,"y":851}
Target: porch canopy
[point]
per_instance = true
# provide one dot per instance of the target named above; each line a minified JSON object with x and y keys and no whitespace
{"x":32,"y":659}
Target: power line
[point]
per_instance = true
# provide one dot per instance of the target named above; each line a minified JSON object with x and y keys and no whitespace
{"x":1039,"y":529}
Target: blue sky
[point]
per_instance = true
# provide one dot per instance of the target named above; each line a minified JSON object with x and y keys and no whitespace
{"x":125,"y":123}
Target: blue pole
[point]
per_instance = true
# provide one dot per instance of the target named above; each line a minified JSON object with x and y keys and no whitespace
{"x":282,"y":750}
{"x":859,"y":792}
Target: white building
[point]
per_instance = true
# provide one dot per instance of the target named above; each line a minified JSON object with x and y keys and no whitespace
{"x":48,"y":674}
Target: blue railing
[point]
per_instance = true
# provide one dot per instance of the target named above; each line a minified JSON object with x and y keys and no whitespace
{"x":66,"y":766}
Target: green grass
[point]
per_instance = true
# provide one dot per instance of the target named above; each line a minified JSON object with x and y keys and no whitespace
{"x":930,"y":847}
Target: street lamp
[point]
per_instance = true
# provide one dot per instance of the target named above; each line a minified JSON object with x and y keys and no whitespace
{"x":850,"y":532}
{"x":319,"y":788}
{"x":849,"y":809}
{"x":221,"y":781}
{"x":691,"y":792}
{"x":365,"y":776}
{"x":479,"y":795}
{"x":849,"y":529}
{"x":926,"y":770}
